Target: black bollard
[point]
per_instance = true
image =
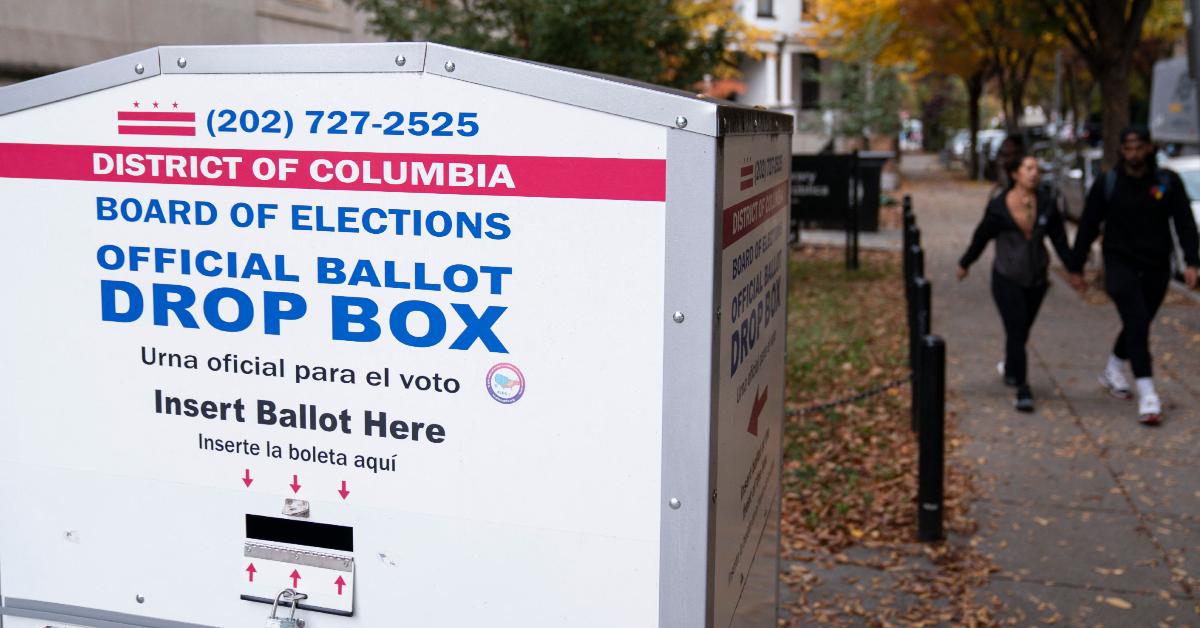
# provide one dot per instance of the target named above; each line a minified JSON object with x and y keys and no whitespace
{"x":912,"y":238}
{"x":916,"y":270}
{"x":922,"y":326}
{"x":905,"y":250}
{"x":912,"y":242}
{"x":910,"y":221}
{"x":931,"y":440}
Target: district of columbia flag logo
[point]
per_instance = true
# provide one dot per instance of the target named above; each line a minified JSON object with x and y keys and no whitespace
{"x":747,"y":174}
{"x":156,"y":118}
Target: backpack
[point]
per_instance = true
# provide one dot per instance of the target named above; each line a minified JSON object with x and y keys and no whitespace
{"x":1110,"y":182}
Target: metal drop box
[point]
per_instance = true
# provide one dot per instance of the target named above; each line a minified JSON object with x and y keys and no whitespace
{"x":433,"y":337}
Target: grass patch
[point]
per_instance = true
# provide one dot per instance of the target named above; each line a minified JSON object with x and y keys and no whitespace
{"x":846,"y":333}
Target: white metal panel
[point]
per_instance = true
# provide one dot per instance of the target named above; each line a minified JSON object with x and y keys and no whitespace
{"x":293,"y":58}
{"x":689,"y":395}
{"x":71,"y":83}
{"x":532,"y":507}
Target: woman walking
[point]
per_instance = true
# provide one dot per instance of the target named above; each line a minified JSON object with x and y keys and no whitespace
{"x":1136,"y":201}
{"x":1019,"y":220}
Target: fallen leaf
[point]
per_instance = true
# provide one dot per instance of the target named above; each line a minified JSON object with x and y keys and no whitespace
{"x":1118,"y":603}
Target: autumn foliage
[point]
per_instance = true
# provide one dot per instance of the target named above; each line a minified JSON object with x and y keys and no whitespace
{"x":669,"y":42}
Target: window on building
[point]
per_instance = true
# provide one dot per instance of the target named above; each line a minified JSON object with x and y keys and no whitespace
{"x":808,"y":10}
{"x":766,"y":8}
{"x":810,"y":81}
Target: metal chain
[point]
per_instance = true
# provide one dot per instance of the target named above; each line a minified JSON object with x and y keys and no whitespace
{"x":865,"y":394}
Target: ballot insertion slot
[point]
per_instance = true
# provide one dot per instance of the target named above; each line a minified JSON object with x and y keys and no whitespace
{"x":307,"y":556}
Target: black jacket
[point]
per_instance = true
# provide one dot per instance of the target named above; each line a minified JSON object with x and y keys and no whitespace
{"x":1136,"y":221}
{"x":1022,"y":260}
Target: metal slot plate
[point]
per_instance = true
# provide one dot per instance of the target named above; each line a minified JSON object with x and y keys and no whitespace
{"x":328,"y":579}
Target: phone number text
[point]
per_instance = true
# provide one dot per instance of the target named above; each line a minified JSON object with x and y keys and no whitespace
{"x":323,"y":122}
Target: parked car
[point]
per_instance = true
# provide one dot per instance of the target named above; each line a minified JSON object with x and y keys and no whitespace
{"x":959,"y":144}
{"x":987,"y":145}
{"x":1048,"y":166}
{"x":1078,"y":173}
{"x":1188,"y":169}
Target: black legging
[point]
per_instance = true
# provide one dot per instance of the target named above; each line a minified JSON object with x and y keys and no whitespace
{"x":1137,"y":293}
{"x":1018,"y":307}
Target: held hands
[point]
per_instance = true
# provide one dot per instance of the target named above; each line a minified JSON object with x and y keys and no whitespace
{"x":1189,"y":276}
{"x":962,"y":273}
{"x":1077,"y":282}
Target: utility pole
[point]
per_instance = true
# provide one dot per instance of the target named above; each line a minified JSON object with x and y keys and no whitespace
{"x":1191,"y":18}
{"x":1057,"y":118}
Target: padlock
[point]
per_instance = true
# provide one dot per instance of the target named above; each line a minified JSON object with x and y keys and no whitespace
{"x":294,"y":598}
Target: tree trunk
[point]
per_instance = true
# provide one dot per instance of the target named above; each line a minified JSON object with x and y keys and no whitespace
{"x":1072,"y":101}
{"x":974,"y":84}
{"x":1020,"y":85}
{"x":1018,"y":107}
{"x":1004,"y":90}
{"x":1114,"y":103}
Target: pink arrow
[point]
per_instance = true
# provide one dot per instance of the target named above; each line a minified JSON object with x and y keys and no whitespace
{"x":251,"y":571}
{"x":295,"y":578}
{"x":343,"y":492}
{"x":340,"y":583}
{"x":248,"y":480}
{"x":295,"y":484}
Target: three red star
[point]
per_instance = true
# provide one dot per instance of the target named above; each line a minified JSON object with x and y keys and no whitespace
{"x":136,"y":104}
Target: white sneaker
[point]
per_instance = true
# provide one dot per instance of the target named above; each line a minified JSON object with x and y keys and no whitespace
{"x":1113,"y":380}
{"x":1149,"y":410}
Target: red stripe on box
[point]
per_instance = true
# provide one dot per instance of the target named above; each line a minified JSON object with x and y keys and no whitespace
{"x":747,"y":170}
{"x":156,"y":130}
{"x":739,"y":220}
{"x":532,"y":176}
{"x":157,"y":116}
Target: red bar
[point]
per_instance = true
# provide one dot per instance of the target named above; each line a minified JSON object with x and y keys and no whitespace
{"x":747,"y":215}
{"x":156,"y":130}
{"x":747,"y":184}
{"x":532,"y":176}
{"x":158,"y":116}
{"x":747,"y":170}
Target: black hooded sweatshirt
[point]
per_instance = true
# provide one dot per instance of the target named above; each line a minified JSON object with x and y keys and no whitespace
{"x":1136,"y":221}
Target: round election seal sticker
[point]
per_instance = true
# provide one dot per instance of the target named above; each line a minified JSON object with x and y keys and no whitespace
{"x":505,"y":383}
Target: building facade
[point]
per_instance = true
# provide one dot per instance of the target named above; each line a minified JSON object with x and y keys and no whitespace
{"x":787,"y":76}
{"x":39,"y":37}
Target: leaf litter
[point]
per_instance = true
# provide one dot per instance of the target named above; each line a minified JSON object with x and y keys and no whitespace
{"x":850,"y":484}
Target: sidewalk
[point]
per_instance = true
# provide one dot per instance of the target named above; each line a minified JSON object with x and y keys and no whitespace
{"x":1091,"y":518}
{"x":884,"y":240}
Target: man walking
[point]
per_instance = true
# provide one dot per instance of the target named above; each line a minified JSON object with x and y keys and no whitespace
{"x":1136,"y":202}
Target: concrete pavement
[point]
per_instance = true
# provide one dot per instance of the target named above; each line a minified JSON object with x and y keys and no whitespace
{"x":1091,"y":518}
